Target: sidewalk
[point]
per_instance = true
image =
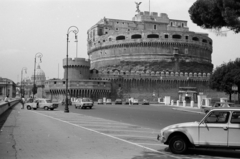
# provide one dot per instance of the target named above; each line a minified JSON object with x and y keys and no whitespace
{"x":29,"y":134}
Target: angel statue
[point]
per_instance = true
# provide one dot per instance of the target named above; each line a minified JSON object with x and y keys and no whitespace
{"x":137,"y":5}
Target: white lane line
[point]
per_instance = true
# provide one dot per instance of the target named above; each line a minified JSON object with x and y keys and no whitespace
{"x":102,"y":129}
{"x":152,"y":144}
{"x":132,"y":143}
{"x":136,"y":136}
{"x":102,"y":125}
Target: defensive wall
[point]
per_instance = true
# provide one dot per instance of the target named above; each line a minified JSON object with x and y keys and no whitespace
{"x":151,"y":85}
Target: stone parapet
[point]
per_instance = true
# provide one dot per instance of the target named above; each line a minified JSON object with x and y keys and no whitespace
{"x":152,"y":75}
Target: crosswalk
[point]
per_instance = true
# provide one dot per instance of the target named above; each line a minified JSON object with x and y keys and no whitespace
{"x":131,"y":134}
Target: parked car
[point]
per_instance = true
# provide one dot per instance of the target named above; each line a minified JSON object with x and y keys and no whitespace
{"x":145,"y":102}
{"x":31,"y":104}
{"x":206,"y":109}
{"x":118,"y":101}
{"x":41,"y":103}
{"x":218,"y":129}
{"x":69,"y":102}
{"x":126,"y":101}
{"x":100,"y":101}
{"x":135,"y":101}
{"x":108,"y":101}
{"x":83,"y":103}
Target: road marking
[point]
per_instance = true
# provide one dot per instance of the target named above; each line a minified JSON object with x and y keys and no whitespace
{"x":153,"y":150}
{"x":99,"y":129}
{"x":153,"y":144}
{"x":185,"y":110}
{"x":136,"y":136}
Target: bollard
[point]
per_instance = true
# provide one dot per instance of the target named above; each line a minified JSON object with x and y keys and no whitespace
{"x":172,"y":102}
{"x":192,"y":104}
{"x":177,"y":102}
{"x":184,"y":103}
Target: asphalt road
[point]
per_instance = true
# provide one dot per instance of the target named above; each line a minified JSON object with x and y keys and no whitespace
{"x":155,"y":117}
{"x":140,"y":124}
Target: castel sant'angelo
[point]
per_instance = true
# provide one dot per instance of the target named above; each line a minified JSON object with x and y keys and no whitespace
{"x":147,"y":57}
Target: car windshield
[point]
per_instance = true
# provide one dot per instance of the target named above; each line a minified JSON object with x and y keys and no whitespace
{"x":48,"y":101}
{"x":86,"y":100}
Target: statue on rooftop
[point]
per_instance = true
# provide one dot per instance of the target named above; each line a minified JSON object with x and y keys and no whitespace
{"x":137,"y":5}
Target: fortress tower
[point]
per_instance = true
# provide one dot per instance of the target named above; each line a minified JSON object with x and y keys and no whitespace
{"x":148,"y":42}
{"x":78,"y":68}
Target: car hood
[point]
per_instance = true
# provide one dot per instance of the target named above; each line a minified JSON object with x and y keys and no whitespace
{"x":182,"y":125}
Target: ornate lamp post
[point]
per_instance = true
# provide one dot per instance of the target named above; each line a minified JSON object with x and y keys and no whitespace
{"x":39,"y":55}
{"x":23,"y":69}
{"x":73,"y":29}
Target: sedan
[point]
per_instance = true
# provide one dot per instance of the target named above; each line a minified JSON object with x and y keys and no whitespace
{"x":145,"y":102}
{"x":118,"y":101}
{"x":218,"y":129}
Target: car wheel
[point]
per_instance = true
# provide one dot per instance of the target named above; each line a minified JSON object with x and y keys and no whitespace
{"x":28,"y":107}
{"x":45,"y":108}
{"x":178,"y":144}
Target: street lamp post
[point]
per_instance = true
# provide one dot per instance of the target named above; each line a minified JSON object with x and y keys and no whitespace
{"x":23,"y":69}
{"x":73,"y":29}
{"x":39,"y":55}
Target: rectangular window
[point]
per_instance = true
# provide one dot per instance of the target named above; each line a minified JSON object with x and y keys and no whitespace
{"x":235,"y":118}
{"x":217,"y":117}
{"x":155,"y":27}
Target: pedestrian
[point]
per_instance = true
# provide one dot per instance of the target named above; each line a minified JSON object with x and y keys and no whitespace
{"x":7,"y":100}
{"x":23,"y":101}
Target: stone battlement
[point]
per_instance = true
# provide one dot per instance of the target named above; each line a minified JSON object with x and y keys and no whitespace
{"x":80,"y":62}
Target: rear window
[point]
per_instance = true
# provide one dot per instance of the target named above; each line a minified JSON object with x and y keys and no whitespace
{"x":48,"y":101}
{"x":235,"y":118}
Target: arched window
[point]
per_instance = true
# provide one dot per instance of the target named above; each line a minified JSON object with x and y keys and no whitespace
{"x":176,"y":36}
{"x":120,"y":38}
{"x":136,"y":36}
{"x":195,"y":39}
{"x":166,"y":36}
{"x":153,"y":36}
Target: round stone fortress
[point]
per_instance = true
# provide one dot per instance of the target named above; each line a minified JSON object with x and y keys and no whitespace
{"x":148,"y":42}
{"x":151,"y":56}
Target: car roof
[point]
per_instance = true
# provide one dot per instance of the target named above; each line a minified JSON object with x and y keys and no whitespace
{"x":225,"y":102}
{"x":227,"y":108}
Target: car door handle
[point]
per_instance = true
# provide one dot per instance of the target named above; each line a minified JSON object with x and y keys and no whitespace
{"x":225,"y":128}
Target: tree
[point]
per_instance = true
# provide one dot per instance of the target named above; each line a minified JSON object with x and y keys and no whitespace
{"x":216,"y":14}
{"x":225,"y":76}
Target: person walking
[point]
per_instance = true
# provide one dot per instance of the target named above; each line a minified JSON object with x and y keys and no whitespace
{"x":7,"y":100}
{"x":23,"y":102}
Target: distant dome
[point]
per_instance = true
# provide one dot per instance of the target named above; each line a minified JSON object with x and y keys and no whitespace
{"x":39,"y":75}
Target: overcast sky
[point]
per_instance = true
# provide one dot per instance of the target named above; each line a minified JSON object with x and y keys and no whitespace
{"x":32,"y":26}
